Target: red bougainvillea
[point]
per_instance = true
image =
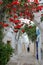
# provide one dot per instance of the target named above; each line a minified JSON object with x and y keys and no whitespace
{"x":39,"y":7}
{"x":23,"y":30}
{"x":15,"y":16}
{"x":1,"y":2}
{"x":18,"y":26}
{"x":20,"y":13}
{"x":18,"y":9}
{"x":28,"y":0}
{"x":5,"y":25}
{"x":16,"y":31}
{"x":16,"y":21}
{"x":11,"y":19}
{"x":36,"y":1}
{"x":14,"y":9}
{"x":1,"y":23}
{"x":15,"y":3}
{"x":30,"y":26}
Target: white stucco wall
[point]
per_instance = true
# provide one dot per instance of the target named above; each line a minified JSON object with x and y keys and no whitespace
{"x":23,"y":40}
{"x":10,"y":36}
{"x":37,"y":16}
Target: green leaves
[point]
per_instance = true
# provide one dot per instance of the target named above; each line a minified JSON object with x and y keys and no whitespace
{"x":41,"y":18}
{"x":5,"y":53}
{"x":31,"y":32}
{"x":7,"y":1}
{"x":1,"y":34}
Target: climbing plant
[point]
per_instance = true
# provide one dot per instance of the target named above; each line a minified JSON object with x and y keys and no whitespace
{"x":31,"y":32}
{"x":41,"y":18}
{"x":5,"y":49}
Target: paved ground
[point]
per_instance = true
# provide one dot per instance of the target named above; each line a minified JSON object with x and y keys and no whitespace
{"x":23,"y":60}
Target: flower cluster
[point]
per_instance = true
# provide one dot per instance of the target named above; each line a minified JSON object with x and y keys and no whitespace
{"x":18,"y":9}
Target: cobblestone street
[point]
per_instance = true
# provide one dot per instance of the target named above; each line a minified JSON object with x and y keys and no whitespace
{"x":23,"y":60}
